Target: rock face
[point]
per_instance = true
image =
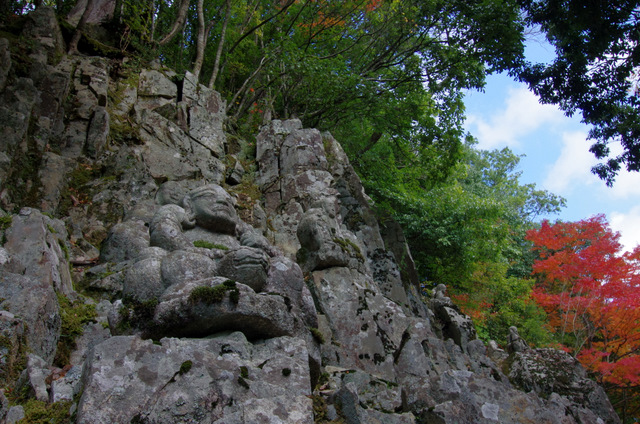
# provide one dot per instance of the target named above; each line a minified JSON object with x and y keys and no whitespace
{"x":232,"y":288}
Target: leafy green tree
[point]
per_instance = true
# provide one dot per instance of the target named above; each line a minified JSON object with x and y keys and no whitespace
{"x":469,"y":233}
{"x":594,"y":72}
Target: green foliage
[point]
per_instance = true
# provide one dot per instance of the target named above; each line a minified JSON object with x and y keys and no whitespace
{"x":468,"y":232}
{"x":478,"y":215}
{"x":496,"y":301}
{"x":595,"y":72}
{"x":372,"y":72}
{"x":74,"y":315}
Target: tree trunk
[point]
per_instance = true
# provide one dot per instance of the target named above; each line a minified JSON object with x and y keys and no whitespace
{"x":201,"y":41}
{"x":216,"y":65}
{"x":372,"y":142}
{"x":178,"y":23}
{"x":73,"y":45}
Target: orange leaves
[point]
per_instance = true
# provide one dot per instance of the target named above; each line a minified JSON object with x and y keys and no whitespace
{"x":591,"y":293}
{"x":472,"y":306}
{"x":335,"y":13}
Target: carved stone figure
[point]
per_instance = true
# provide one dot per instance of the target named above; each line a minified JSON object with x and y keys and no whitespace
{"x":515,"y":343}
{"x":197,"y":241}
{"x":323,"y":245}
{"x":439,"y":293}
{"x":212,"y":209}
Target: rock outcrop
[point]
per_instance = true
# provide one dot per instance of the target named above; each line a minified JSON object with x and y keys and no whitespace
{"x":229,"y":285}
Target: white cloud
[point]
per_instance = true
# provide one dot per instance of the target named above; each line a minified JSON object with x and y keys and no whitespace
{"x":521,"y":116}
{"x":573,"y":165}
{"x":628,"y":225}
{"x":627,"y":184}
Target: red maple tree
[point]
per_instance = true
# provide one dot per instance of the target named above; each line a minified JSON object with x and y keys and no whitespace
{"x":590,"y":289}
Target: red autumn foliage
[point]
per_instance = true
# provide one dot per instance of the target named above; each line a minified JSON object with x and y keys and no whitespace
{"x":590,"y":290}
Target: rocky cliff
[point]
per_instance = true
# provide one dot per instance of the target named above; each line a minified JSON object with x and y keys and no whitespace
{"x":155,"y":269}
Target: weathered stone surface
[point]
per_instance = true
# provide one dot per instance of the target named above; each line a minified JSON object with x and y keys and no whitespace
{"x":38,"y":249}
{"x":453,"y":323}
{"x":101,"y":11}
{"x":174,"y":155}
{"x":35,"y":302}
{"x":5,"y":62}
{"x":97,"y":132}
{"x":154,"y":83}
{"x":143,"y":281}
{"x":13,"y":346}
{"x":14,"y":414}
{"x":246,"y":265}
{"x":67,"y":386}
{"x":546,"y":371}
{"x":224,"y":379}
{"x":256,"y":315}
{"x":125,"y":241}
{"x":43,"y":27}
{"x":180,"y":266}
{"x":18,"y":101}
{"x":35,"y":375}
{"x":53,"y":178}
{"x":93,"y":333}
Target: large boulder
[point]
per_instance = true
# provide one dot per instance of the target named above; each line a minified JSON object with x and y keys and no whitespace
{"x":205,"y":307}
{"x":222,"y":379}
{"x":559,"y":376}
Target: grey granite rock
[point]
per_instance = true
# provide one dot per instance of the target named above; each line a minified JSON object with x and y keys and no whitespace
{"x":224,"y":379}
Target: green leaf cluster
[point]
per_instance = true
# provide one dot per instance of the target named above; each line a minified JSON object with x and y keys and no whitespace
{"x":467,"y":231}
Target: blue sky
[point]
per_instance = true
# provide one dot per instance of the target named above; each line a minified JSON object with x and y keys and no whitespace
{"x":556,"y":152}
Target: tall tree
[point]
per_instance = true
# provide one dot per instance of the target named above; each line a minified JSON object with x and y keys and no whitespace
{"x":591,"y":292}
{"x":593,"y":73}
{"x":468,"y":233}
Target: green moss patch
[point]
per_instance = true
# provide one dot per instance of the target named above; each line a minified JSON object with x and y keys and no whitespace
{"x":209,"y":295}
{"x":39,"y":412}
{"x":74,"y":316}
{"x":349,"y":247}
{"x":317,"y":335}
{"x":185,"y":367}
{"x":207,"y":245}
